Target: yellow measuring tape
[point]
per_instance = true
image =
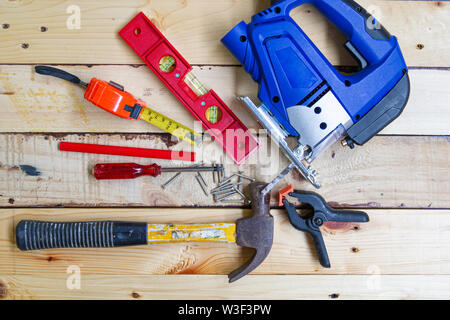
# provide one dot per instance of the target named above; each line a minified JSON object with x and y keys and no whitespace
{"x":171,"y":126}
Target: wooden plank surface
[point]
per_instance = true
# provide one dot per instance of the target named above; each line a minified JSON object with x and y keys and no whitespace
{"x":393,"y":242}
{"x":32,"y":102}
{"x":389,"y":171}
{"x":276,"y":287}
{"x":196,"y":27}
{"x":400,"y":178}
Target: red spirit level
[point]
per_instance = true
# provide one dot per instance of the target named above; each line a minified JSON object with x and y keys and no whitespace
{"x":176,"y":73}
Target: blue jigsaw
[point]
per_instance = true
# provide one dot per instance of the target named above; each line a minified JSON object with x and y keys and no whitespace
{"x":303,"y":95}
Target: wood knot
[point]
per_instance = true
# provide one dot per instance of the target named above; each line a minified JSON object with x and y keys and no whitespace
{"x":44,"y":29}
{"x":420,"y":46}
{"x":11,"y":200}
{"x":25,"y":45}
{"x":135,"y":295}
{"x":355,"y":250}
{"x":334,"y":295}
{"x":3,"y":290}
{"x":5,"y":26}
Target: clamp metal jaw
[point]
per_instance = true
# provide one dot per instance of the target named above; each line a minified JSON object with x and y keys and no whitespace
{"x":322,"y":213}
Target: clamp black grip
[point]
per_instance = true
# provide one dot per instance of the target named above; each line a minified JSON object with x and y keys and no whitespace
{"x":309,"y":227}
{"x":36,"y":235}
{"x":322,"y":213}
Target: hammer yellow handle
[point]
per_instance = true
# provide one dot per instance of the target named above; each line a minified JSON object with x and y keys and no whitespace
{"x":212,"y":232}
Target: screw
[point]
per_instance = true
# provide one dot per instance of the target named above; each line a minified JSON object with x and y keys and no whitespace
{"x":318,"y":221}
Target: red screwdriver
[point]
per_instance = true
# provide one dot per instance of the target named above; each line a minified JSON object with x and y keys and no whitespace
{"x":103,"y":171}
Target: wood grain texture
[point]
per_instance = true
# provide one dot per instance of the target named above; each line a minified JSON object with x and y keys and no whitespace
{"x":400,"y":177}
{"x":393,"y":242}
{"x":192,"y":287}
{"x":389,"y":171}
{"x":32,"y":102}
{"x":196,"y":27}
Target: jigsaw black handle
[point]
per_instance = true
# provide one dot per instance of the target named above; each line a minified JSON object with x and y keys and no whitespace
{"x":36,"y":235}
{"x":58,"y":73}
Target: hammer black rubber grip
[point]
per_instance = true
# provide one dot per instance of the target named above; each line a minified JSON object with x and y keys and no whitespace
{"x":35,"y":235}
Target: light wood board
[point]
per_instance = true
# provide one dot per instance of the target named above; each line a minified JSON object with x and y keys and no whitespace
{"x":393,"y":242}
{"x":389,"y":171}
{"x":196,"y":27}
{"x":400,"y":178}
{"x":33,"y":102}
{"x":275,"y":287}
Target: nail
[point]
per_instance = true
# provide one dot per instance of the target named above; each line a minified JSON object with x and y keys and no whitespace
{"x":223,"y":191}
{"x":228,"y":179}
{"x":201,"y":184}
{"x":240,"y":192}
{"x":203,"y":180}
{"x":226,"y":196}
{"x":222,"y":186}
{"x":168,"y":182}
{"x":233,"y":201}
{"x":228,"y":186}
{"x":218,"y":177}
{"x":245,"y":177}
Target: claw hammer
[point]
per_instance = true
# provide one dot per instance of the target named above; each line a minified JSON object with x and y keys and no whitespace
{"x":255,"y":231}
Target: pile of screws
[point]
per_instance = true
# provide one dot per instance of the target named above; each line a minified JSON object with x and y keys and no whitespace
{"x":228,"y":189}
